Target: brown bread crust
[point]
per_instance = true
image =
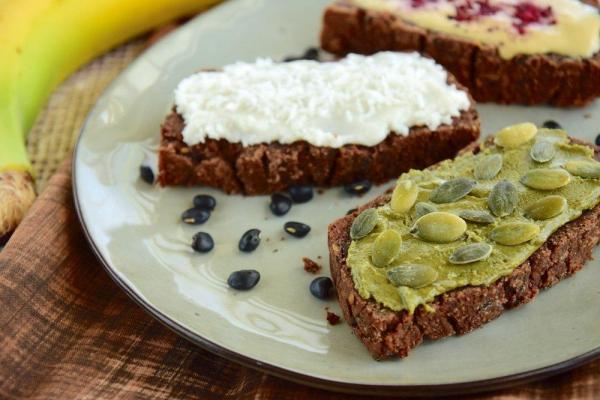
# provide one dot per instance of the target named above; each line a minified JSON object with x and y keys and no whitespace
{"x":387,"y":333}
{"x":524,"y":79}
{"x":268,"y":168}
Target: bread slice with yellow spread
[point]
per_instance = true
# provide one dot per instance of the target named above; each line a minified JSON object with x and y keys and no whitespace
{"x":527,"y":52}
{"x":455,"y":245}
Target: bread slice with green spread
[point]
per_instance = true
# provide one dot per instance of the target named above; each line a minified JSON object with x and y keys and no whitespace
{"x":455,"y":245}
{"x":527,"y":52}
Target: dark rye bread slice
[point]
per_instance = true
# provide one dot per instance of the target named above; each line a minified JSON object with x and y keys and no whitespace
{"x":387,"y":333}
{"x":268,"y":168}
{"x":524,"y":79}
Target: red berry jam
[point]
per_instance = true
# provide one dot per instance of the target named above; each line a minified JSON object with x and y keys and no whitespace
{"x":472,"y":9}
{"x":420,"y":3}
{"x":527,"y":13}
{"x":523,"y":13}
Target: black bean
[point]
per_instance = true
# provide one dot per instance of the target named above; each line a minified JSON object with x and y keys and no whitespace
{"x":146,"y":174}
{"x":249,"y":240}
{"x":598,"y":140}
{"x":301,"y":193}
{"x":350,"y":211}
{"x":244,"y":279}
{"x":321,"y":287}
{"x":312,"y":53}
{"x":280,"y":204}
{"x":195,"y":216}
{"x":358,"y":187}
{"x":205,"y":202}
{"x":551,"y":124}
{"x":297,"y":229}
{"x":202,"y":242}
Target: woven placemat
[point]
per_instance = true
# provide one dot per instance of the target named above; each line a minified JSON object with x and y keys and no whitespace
{"x":57,"y":127}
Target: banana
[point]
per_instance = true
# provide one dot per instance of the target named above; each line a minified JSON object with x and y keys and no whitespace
{"x":41,"y":43}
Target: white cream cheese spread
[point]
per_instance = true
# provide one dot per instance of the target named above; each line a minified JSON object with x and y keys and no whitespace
{"x":565,"y":27}
{"x":357,"y":100}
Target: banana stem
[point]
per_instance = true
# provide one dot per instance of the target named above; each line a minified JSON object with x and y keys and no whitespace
{"x":16,"y":183}
{"x":16,"y":194}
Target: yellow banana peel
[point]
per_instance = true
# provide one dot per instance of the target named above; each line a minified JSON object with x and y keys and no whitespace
{"x":41,"y":43}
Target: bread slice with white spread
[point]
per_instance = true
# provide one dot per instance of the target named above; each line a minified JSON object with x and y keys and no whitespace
{"x":261,"y":127}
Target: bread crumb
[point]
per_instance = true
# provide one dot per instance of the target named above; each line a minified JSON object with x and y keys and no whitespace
{"x":332,"y":317}
{"x":310,"y":266}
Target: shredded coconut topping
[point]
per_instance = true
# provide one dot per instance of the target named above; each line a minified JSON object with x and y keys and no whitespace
{"x":357,"y":100}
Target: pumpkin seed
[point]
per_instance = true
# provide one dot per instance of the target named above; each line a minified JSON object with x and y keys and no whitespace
{"x":386,"y":247}
{"x":514,"y":233}
{"x":408,"y":298}
{"x":547,"y":207}
{"x":471,"y":253}
{"x":584,"y":169}
{"x":404,"y":196}
{"x":546,"y":178}
{"x":488,"y":167}
{"x":364,"y":224}
{"x":480,"y":217}
{"x":559,"y":133}
{"x":503,"y":199}
{"x":542,"y":151}
{"x":480,"y":191}
{"x":412,"y":275}
{"x":439,"y":227}
{"x":515,"y":135}
{"x":422,"y":208}
{"x":452,"y":190}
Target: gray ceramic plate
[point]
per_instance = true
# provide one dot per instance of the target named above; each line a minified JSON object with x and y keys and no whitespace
{"x":278,"y":326}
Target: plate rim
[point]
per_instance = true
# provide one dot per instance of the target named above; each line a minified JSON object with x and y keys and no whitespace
{"x":466,"y":387}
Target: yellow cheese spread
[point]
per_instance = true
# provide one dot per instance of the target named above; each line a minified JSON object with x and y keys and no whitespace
{"x":565,"y":27}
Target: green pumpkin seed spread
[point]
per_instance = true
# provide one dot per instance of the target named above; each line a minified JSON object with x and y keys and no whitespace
{"x":419,"y":256}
